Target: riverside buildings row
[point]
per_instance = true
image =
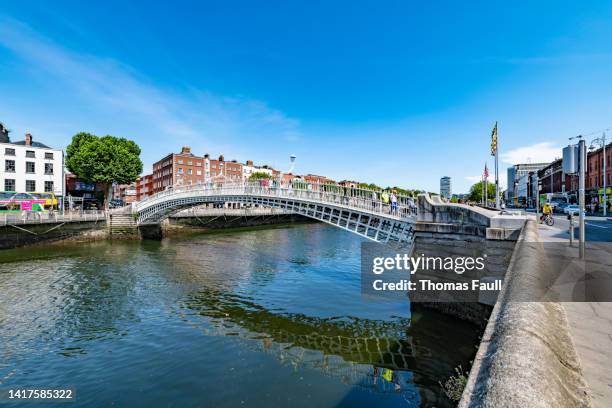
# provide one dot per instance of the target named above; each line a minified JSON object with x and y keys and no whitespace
{"x":187,"y":168}
{"x":527,"y":182}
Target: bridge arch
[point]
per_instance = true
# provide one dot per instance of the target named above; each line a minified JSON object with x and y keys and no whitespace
{"x":358,"y":212}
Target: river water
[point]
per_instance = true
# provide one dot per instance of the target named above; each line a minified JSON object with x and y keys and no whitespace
{"x":258,"y":318}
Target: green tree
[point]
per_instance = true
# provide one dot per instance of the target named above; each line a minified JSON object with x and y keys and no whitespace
{"x":107,"y":159}
{"x":476,"y":192}
{"x":258,"y":175}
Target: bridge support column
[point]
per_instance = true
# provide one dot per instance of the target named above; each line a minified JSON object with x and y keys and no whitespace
{"x":151,"y":231}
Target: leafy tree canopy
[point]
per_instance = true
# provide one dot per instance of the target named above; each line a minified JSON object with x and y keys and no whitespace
{"x":476,"y":192}
{"x":105,"y":159}
{"x":258,"y":175}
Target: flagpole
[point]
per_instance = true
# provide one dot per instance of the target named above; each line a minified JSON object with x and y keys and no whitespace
{"x":497,"y":203}
{"x":486,"y":187}
{"x":482,"y":184}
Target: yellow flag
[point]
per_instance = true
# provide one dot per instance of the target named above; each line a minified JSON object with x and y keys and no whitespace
{"x":494,"y":140}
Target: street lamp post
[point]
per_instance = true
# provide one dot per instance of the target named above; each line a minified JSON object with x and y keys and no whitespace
{"x":582,"y":157}
{"x":602,"y":141}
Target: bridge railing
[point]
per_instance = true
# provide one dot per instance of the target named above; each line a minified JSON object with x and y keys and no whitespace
{"x":356,"y":198}
{"x":50,"y":217}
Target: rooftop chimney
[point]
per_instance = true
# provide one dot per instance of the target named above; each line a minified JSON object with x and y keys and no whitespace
{"x":249,"y":162}
{"x":206,"y":156}
{"x":185,"y":150}
{"x":221,"y":158}
{"x":4,"y":134}
{"x":28,"y":139}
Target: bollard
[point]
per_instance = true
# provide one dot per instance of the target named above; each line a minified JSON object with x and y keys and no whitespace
{"x":571,"y":229}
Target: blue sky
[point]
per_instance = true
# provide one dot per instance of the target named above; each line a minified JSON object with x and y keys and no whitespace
{"x":397,"y":93}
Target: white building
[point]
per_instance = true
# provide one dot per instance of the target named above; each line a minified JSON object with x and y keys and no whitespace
{"x":29,"y":166}
{"x":248,"y":169}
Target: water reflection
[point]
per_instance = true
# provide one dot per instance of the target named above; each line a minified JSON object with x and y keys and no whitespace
{"x":277,"y":311}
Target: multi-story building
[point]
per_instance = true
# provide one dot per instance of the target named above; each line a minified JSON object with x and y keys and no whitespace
{"x":185,"y":168}
{"x":348,"y":183}
{"x":177,"y":169}
{"x":144,"y":187}
{"x":595,"y":175}
{"x":516,"y":172}
{"x":595,"y":168}
{"x":222,"y":171}
{"x":29,"y":166}
{"x":125,"y":192}
{"x":314,"y":179}
{"x":553,"y":180}
{"x":445,"y":187}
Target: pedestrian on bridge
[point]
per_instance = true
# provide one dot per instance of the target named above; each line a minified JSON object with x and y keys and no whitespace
{"x":393,"y":203}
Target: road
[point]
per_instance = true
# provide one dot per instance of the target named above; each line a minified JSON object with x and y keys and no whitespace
{"x":598,"y":229}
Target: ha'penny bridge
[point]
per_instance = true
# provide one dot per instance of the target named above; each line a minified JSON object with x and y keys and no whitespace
{"x":361,"y":211}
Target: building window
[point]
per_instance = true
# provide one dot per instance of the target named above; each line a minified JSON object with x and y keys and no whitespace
{"x":189,"y":171}
{"x":180,"y":170}
{"x":49,"y":156}
{"x":180,"y":162}
{"x":48,"y":168}
{"x":30,"y":186}
{"x":199,"y":172}
{"x":30,"y":168}
{"x":9,"y":184}
{"x":9,"y":152}
{"x":9,"y":166}
{"x":198,"y":163}
{"x":48,"y":186}
{"x":189,"y":162}
{"x":30,"y":154}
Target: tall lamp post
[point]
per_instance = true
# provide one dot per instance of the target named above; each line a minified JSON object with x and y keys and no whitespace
{"x":280,"y":175}
{"x":602,"y":142}
{"x":582,"y":156}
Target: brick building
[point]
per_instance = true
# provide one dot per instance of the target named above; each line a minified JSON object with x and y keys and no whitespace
{"x":314,"y":179}
{"x":144,"y":187}
{"x":177,"y":169}
{"x":553,"y":180}
{"x":595,"y":170}
{"x":348,"y":183}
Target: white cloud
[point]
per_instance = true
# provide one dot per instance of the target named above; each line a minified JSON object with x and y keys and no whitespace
{"x":194,"y":117}
{"x":544,"y":152}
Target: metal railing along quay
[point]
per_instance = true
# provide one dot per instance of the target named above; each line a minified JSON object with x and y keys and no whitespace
{"x":50,"y":217}
{"x":233,"y":212}
{"x":352,"y":198}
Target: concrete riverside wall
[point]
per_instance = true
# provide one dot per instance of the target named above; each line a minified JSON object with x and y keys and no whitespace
{"x":526,"y":357}
{"x":458,"y":230}
{"x":12,"y":236}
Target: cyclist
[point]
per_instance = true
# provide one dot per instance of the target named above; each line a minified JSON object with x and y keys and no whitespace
{"x":546,"y":211}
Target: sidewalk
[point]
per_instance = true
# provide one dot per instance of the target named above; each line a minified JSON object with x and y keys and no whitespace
{"x":590,"y":322}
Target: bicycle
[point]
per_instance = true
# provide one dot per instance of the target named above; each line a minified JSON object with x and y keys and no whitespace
{"x":547,"y":219}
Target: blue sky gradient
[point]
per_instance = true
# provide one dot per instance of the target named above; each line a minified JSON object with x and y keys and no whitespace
{"x":397,"y":93}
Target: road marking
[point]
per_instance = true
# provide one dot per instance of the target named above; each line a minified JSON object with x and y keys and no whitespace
{"x":594,"y":225}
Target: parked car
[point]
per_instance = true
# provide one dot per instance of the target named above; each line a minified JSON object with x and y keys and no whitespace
{"x":573,"y":209}
{"x":560,"y":207}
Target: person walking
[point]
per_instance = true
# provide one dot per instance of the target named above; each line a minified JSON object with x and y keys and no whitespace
{"x":393,"y":203}
{"x":374,"y":199}
{"x":385,"y":200}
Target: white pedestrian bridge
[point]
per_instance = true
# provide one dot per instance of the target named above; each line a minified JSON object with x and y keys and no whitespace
{"x":360,"y":211}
